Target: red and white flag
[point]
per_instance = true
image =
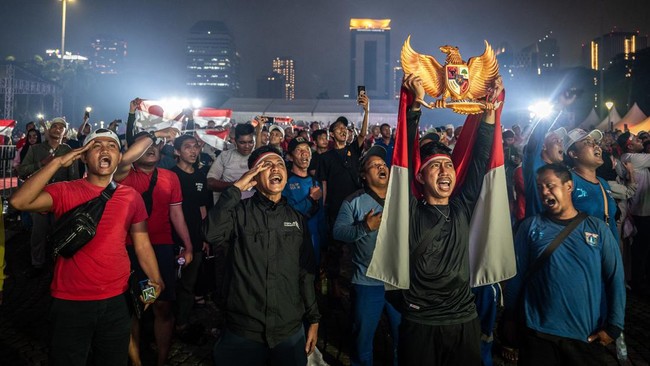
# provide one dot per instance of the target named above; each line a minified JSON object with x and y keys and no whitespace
{"x":219,"y":116}
{"x":390,"y":260}
{"x":7,"y":127}
{"x":214,"y":138}
{"x":491,"y":248}
{"x":154,"y":114}
{"x":492,"y":257}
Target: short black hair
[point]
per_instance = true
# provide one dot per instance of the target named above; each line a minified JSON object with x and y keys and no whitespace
{"x":385,"y":124}
{"x":243,"y":129}
{"x":178,"y":142}
{"x":432,"y":148}
{"x":258,"y":152}
{"x":317,"y":133}
{"x":560,"y":171}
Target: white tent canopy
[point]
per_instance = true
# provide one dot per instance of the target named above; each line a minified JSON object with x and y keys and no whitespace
{"x":633,"y":117}
{"x":613,"y":117}
{"x":591,"y":120}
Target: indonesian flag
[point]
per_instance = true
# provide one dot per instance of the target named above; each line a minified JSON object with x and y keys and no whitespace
{"x":214,"y":138}
{"x":390,"y":260}
{"x":7,"y":127}
{"x":219,"y":116}
{"x":152,"y":114}
{"x":491,"y":248}
{"x":491,"y":251}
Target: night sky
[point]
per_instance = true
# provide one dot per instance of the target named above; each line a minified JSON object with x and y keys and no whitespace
{"x":314,"y":33}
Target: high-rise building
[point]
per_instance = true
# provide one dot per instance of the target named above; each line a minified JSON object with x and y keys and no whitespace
{"x":212,"y":62}
{"x":370,"y":57}
{"x":599,"y":53}
{"x":398,"y":74}
{"x":537,"y":58}
{"x":108,"y":54}
{"x":285,"y":66}
{"x":272,"y":86}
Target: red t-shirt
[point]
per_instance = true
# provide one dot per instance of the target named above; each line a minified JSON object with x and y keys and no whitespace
{"x":166,"y":192}
{"x":101,"y":268}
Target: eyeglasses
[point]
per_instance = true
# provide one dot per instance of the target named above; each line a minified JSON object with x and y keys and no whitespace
{"x":590,"y":143}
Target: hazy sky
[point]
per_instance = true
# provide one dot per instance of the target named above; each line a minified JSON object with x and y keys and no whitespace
{"x":314,"y":33}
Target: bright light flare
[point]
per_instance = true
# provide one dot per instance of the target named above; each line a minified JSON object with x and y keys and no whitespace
{"x":40,"y":116}
{"x":197,"y":103}
{"x":609,"y":104}
{"x":540,"y":109}
{"x":89,"y":109}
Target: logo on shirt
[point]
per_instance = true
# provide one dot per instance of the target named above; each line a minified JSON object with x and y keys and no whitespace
{"x":294,"y":186}
{"x":292,"y":224}
{"x":199,"y":186}
{"x":591,"y":238}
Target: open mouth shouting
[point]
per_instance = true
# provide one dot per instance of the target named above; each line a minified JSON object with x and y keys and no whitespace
{"x":105,"y":162}
{"x":275,"y":179}
{"x":444,"y":184}
{"x":550,"y":202}
{"x":383,"y":174}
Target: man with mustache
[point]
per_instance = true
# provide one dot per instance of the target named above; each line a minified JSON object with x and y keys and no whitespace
{"x":562,"y":297}
{"x":269,"y":275}
{"x":440,"y":325}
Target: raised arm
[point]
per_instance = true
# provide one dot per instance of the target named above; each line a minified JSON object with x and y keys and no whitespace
{"x":365,"y":103}
{"x":30,"y":196}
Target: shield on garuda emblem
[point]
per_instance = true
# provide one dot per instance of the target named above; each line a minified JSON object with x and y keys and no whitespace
{"x":457,"y":80}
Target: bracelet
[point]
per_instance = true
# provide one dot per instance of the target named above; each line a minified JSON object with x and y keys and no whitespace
{"x":152,"y":136}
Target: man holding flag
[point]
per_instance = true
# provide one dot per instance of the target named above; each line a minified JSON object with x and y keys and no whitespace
{"x":439,"y":324}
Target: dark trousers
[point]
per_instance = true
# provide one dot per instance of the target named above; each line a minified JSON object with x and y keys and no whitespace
{"x":431,"y":345}
{"x":233,"y":350}
{"x":641,"y":254}
{"x":99,"y":329}
{"x":541,"y":349}
{"x":185,"y":289}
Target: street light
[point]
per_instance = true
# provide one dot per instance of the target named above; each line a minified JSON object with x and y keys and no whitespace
{"x":541,"y":109}
{"x":609,"y":104}
{"x":64,"y":3}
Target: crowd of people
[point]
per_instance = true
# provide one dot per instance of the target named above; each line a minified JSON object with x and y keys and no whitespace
{"x":278,"y":207}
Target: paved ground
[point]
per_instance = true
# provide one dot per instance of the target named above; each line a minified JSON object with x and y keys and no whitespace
{"x":24,"y":339}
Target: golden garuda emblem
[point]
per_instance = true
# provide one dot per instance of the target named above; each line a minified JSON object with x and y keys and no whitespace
{"x":459,"y":84}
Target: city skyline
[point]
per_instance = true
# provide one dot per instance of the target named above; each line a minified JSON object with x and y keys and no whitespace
{"x":315,"y":34}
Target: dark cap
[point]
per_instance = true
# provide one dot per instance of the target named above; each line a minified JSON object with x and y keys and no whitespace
{"x":623,"y":139}
{"x":339,"y":120}
{"x":293,"y":144}
{"x":434,"y":137}
{"x":508,"y":134}
{"x":375,"y":150}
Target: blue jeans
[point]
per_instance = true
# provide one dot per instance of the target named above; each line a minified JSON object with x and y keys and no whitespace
{"x":234,"y":350}
{"x":369,"y":303}
{"x":486,"y":299}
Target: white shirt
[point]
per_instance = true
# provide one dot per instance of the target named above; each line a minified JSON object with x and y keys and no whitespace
{"x":229,"y":166}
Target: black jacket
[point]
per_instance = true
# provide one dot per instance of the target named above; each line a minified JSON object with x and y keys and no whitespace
{"x":269,"y":274}
{"x":440,"y":293}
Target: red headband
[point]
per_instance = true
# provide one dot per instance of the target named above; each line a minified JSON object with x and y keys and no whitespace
{"x":264,"y":156}
{"x":430,"y":159}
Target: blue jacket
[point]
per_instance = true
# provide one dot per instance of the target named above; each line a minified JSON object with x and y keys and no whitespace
{"x":350,"y":228}
{"x":563,"y":298}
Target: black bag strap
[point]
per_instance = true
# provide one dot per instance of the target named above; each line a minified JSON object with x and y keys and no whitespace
{"x":147,"y":196}
{"x":539,"y":262}
{"x":107,"y":193}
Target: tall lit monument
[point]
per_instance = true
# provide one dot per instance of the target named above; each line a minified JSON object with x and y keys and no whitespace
{"x":285,"y":66}
{"x":370,"y":57}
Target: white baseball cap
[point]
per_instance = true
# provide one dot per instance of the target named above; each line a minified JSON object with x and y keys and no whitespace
{"x":102,"y":132}
{"x":276,"y":127}
{"x":578,"y":134}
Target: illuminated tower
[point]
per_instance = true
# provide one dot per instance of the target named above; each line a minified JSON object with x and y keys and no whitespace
{"x":370,"y":57}
{"x":212,"y":62}
{"x":603,"y":49}
{"x":285,"y":66}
